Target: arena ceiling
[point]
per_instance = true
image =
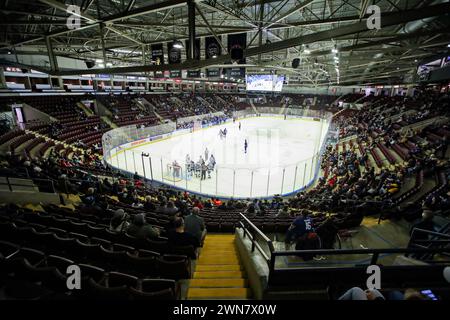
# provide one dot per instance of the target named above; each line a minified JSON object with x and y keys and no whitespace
{"x":122,"y":32}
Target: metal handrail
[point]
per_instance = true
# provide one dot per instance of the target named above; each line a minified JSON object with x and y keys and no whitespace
{"x":374,"y":252}
{"x":10,"y":185}
{"x":255,"y":232}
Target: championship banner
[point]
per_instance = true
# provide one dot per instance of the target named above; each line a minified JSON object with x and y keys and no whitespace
{"x":157,"y":54}
{"x":158,"y":58}
{"x":194,"y":73}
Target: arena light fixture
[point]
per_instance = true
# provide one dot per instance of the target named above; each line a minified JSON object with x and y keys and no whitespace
{"x":177,"y":44}
{"x":306,"y":50}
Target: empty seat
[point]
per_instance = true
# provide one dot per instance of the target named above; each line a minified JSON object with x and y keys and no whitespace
{"x":8,"y":249}
{"x":155,"y":285}
{"x":142,"y":266}
{"x":118,"y":279}
{"x":165,"y":294}
{"x":173,"y":269}
{"x":58,"y":262}
{"x":97,"y":290}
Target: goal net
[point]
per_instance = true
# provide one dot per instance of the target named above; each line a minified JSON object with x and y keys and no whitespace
{"x":173,"y":173}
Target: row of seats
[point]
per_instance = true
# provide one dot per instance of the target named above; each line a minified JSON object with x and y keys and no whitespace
{"x":109,"y":255}
{"x":386,"y":152}
{"x":27,"y":273}
{"x":418,"y":185}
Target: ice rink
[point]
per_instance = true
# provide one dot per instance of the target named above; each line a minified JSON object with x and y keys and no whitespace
{"x":279,"y":160}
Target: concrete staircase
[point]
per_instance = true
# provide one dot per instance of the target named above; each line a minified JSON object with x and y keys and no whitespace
{"x":108,"y":121}
{"x":178,"y":101}
{"x":219,"y":273}
{"x":207,"y":104}
{"x":85,"y":109}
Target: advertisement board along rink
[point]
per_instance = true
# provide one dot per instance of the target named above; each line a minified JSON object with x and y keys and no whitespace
{"x":282,"y":156}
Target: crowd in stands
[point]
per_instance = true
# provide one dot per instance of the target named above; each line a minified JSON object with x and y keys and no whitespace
{"x":348,"y":174}
{"x":125,"y":111}
{"x":205,"y":121}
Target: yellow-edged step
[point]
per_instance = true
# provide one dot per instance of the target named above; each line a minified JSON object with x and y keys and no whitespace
{"x":219,"y":274}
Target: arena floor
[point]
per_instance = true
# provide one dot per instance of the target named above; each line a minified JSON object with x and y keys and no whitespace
{"x":274,"y":145}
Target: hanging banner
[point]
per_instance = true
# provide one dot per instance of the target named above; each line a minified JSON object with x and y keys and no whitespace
{"x":212,"y":50}
{"x":173,"y":53}
{"x":212,"y":47}
{"x":237,"y":41}
{"x":158,"y":58}
{"x":174,"y":57}
{"x":194,"y":73}
{"x":157,"y":54}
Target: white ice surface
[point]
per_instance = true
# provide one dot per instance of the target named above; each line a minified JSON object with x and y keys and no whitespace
{"x":274,"y":145}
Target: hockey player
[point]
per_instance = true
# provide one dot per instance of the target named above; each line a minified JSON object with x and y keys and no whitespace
{"x":245,"y":146}
{"x":206,"y":154}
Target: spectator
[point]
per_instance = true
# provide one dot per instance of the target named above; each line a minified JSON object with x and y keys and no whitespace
{"x":409,"y":294}
{"x":299,"y":227}
{"x":426,"y":223}
{"x":148,"y":204}
{"x":284,"y":212}
{"x":169,"y":209}
{"x":178,"y":236}
{"x":89,"y":198}
{"x":140,"y":229}
{"x":195,"y":225}
{"x":356,"y":293}
{"x":119,"y":222}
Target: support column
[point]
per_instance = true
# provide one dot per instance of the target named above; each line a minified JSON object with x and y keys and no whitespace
{"x":60,"y":82}
{"x":102,"y":36}
{"x":260,"y":27}
{"x":51,"y":54}
{"x":143,"y":55}
{"x":191,"y":24}
{"x":2,"y":78}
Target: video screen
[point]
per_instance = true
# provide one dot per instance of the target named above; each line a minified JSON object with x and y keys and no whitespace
{"x":264,"y":82}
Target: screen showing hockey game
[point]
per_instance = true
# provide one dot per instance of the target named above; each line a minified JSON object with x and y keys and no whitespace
{"x":264,"y":82}
{"x":278,"y":83}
